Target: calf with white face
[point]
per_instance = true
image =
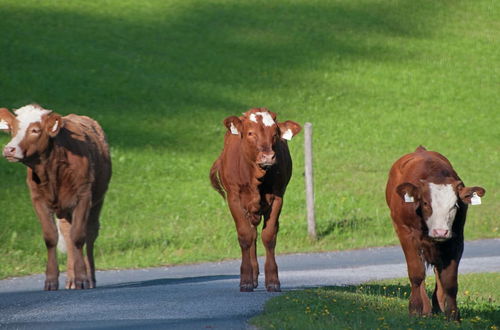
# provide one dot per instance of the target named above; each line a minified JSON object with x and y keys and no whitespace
{"x":428,"y":203}
{"x":69,"y":169}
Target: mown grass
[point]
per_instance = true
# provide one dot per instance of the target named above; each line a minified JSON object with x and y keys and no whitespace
{"x":380,"y":305}
{"x":376,"y":79}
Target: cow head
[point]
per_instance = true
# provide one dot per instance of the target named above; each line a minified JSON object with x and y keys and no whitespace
{"x":31,"y":128}
{"x":438,"y":204}
{"x":259,"y":133}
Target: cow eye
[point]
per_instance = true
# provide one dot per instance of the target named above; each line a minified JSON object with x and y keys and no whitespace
{"x":250,"y":133}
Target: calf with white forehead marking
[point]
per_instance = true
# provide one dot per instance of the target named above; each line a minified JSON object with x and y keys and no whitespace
{"x":428,"y":203}
{"x":69,"y":168}
{"x":253,"y":170}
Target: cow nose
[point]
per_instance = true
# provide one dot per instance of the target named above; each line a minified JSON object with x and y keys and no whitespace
{"x":440,"y":233}
{"x":266,"y":159}
{"x":9,"y":151}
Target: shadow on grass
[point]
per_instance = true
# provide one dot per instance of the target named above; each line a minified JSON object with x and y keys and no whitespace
{"x":468,"y":309}
{"x":151,"y":76}
{"x":342,"y":226}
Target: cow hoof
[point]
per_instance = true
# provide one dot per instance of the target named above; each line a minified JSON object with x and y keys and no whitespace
{"x":273,"y":288}
{"x":70,"y":284}
{"x":255,"y":284}
{"x":81,"y":285}
{"x":246,"y":288}
{"x":51,"y":285}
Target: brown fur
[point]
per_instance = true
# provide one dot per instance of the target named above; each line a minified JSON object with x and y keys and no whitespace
{"x":68,"y":175}
{"x":252,"y":192}
{"x":410,"y":174}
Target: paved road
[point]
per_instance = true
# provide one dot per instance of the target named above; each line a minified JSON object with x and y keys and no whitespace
{"x":203,"y":295}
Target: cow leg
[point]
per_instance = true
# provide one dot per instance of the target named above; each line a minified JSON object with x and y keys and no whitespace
{"x":438,"y":295}
{"x":50,"y":237}
{"x":78,"y":237}
{"x":92,"y":233}
{"x":419,"y":301}
{"x":269,"y":236}
{"x":449,"y":282}
{"x":65,"y":227}
{"x":247,"y":235}
{"x":255,"y":262}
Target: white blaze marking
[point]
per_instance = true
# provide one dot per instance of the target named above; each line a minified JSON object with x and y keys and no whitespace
{"x":233,"y":129}
{"x":25,"y":116}
{"x":443,"y":200}
{"x":4,"y":125}
{"x":287,"y":135}
{"x":267,"y":120}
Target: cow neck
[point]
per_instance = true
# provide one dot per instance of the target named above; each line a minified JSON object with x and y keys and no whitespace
{"x":41,"y":164}
{"x":251,"y":173}
{"x":256,"y":173}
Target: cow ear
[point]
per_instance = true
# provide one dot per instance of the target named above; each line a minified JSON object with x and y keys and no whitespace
{"x":53,"y":124}
{"x":289,"y":129}
{"x":6,"y":120}
{"x":233,"y":124}
{"x":467,"y":193}
{"x":408,"y":192}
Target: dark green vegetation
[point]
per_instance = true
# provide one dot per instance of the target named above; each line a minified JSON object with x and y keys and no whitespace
{"x":380,"y":305}
{"x":376,"y":79}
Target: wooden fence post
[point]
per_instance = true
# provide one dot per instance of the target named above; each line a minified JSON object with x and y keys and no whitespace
{"x":308,"y":155}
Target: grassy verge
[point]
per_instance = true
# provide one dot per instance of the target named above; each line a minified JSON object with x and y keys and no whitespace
{"x":376,"y":79}
{"x":380,"y":305}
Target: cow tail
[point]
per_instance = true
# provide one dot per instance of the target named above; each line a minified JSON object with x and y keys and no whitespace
{"x":215,"y":180}
{"x":61,"y":242}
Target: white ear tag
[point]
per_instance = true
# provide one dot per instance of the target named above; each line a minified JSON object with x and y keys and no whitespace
{"x":287,"y":135}
{"x":233,"y":129}
{"x":475,"y":199}
{"x":4,"y":125}
{"x":54,"y":128}
{"x":409,"y":199}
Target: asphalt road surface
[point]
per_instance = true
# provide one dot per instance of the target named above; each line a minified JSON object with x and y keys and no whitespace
{"x":203,"y":295}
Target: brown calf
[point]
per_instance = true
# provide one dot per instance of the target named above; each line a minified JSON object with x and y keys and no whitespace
{"x":253,"y":170}
{"x":428,"y":203}
{"x":69,"y":169}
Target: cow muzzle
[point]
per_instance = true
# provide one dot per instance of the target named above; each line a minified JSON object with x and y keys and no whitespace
{"x":440,"y":235}
{"x":266,"y":160}
{"x":10,"y":154}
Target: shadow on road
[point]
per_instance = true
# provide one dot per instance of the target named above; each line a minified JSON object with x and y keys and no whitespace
{"x":171,"y":281}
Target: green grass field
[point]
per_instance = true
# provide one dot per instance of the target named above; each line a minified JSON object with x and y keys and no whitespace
{"x":376,"y":79}
{"x":380,"y":305}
